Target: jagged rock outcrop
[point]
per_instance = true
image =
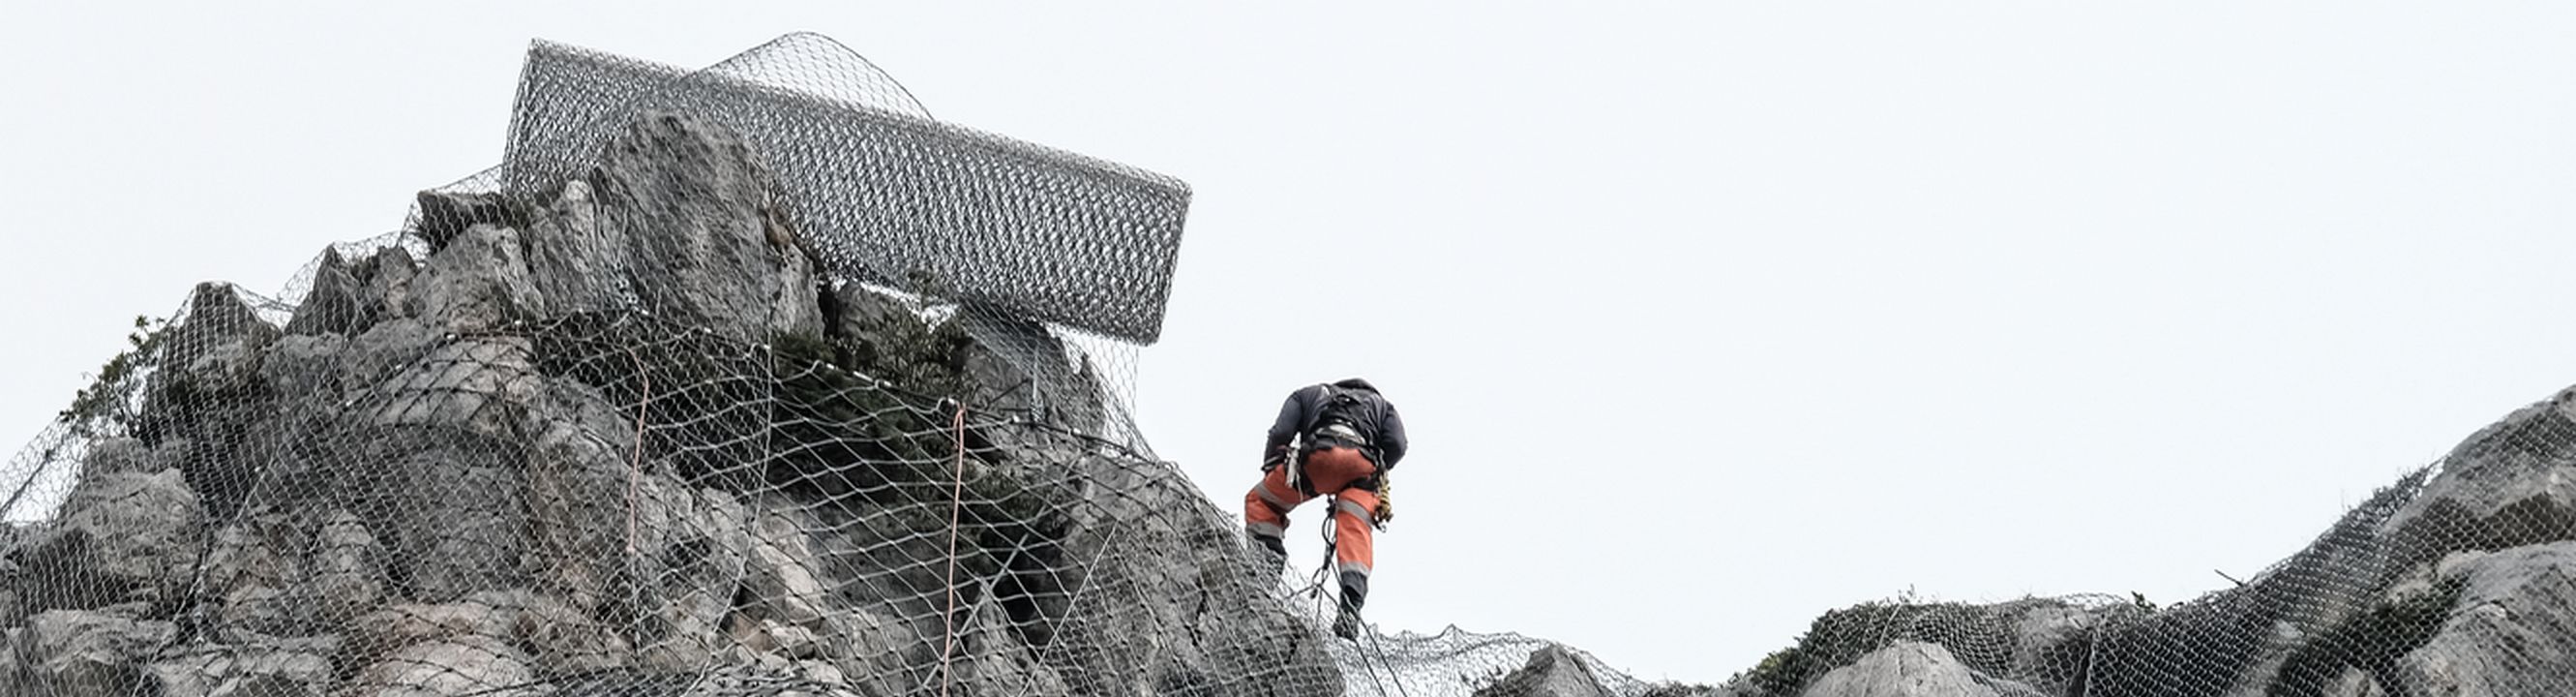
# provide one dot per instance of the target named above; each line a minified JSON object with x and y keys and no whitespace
{"x":624,"y":439}
{"x":2453,"y":581}
{"x":1912,"y":669}
{"x":1549,"y":672}
{"x":690,"y":202}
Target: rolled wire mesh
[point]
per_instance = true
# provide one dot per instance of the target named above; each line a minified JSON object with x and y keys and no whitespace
{"x":636,"y":413}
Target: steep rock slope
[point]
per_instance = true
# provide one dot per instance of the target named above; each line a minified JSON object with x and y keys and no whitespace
{"x":625,"y":438}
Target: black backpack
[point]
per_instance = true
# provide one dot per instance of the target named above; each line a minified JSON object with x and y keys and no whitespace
{"x":1348,"y":407}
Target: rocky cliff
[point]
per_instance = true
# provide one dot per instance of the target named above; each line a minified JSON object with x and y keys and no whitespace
{"x":623,"y":438}
{"x":2459,"y":579}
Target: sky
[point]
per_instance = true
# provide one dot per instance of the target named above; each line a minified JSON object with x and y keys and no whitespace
{"x":1704,"y":318}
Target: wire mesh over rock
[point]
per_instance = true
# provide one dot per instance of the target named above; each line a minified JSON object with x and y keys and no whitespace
{"x":624,"y":439}
{"x":755,"y":381}
{"x":2452,"y":581}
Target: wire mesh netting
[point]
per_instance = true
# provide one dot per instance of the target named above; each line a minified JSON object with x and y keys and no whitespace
{"x":754,"y":380}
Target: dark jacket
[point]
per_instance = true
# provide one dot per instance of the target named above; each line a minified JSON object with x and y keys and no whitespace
{"x":1297,"y":416}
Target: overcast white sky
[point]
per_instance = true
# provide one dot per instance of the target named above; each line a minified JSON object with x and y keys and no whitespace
{"x":1705,"y":319}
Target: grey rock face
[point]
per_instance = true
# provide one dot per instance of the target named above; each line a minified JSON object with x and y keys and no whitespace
{"x":1202,"y":617}
{"x":691,"y":547}
{"x":691,"y":201}
{"x":347,"y":568}
{"x":578,"y":266}
{"x":386,"y":293}
{"x":80,"y":653}
{"x":2512,"y":633}
{"x":446,"y":215}
{"x":115,"y":455}
{"x":481,"y":386}
{"x":337,"y":302}
{"x":122,"y":536}
{"x":209,"y":392}
{"x":264,"y":667}
{"x":1550,"y":672}
{"x":1907,"y":669}
{"x":469,"y":665}
{"x":479,"y":282}
{"x":301,"y":365}
{"x":580,"y":468}
{"x":2511,"y":484}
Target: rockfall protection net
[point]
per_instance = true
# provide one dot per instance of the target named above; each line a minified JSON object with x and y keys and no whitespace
{"x":639,"y":413}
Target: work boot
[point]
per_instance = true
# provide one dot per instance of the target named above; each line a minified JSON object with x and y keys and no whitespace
{"x":1346,"y":622}
{"x":1269,"y":560}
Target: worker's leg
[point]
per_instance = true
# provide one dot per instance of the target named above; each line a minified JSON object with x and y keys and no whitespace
{"x":1337,"y":470}
{"x":1265,"y":518}
{"x":1354,"y":520}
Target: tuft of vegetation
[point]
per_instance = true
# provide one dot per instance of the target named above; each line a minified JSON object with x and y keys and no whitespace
{"x":110,"y":394}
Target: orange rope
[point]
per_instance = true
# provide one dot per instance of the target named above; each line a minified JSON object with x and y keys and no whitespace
{"x":956,"y":502}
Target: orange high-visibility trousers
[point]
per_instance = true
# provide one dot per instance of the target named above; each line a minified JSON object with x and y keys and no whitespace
{"x":1331,"y":471}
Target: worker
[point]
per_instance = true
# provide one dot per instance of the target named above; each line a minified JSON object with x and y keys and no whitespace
{"x":1336,"y":439}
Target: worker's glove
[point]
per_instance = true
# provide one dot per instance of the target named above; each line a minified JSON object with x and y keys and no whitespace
{"x":1277,"y":457}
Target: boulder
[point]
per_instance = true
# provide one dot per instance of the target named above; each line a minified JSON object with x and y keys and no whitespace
{"x":1910,"y":669}
{"x":386,"y":291}
{"x":690,"y":554}
{"x":783,"y":578}
{"x":120,"y":537}
{"x":461,"y":524}
{"x":443,"y":216}
{"x":2354,"y":682}
{"x":118,"y":455}
{"x":995,"y":662}
{"x":468,"y":665}
{"x":868,"y":317}
{"x":82,"y":653}
{"x":263,"y":667}
{"x":255,"y":570}
{"x":209,"y":392}
{"x":346,"y":569}
{"x":335,"y":304}
{"x":577,"y":265}
{"x":478,"y":283}
{"x":482,"y":386}
{"x":372,"y":357}
{"x":579,"y":470}
{"x":1550,"y":672}
{"x":1020,"y":368}
{"x":2513,"y":631}
{"x":869,"y":651}
{"x":385,"y":631}
{"x":301,"y":366}
{"x":691,"y":201}
{"x":559,"y":637}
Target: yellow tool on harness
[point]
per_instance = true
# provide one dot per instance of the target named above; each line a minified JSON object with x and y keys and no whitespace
{"x":1385,"y":500}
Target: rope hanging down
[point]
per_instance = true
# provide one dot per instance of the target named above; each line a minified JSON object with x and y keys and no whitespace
{"x":956,"y":504}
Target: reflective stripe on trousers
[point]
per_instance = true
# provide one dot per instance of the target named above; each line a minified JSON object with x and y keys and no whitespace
{"x":1331,"y":471}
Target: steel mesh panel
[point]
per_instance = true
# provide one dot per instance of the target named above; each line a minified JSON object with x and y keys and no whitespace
{"x":881,"y":192}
